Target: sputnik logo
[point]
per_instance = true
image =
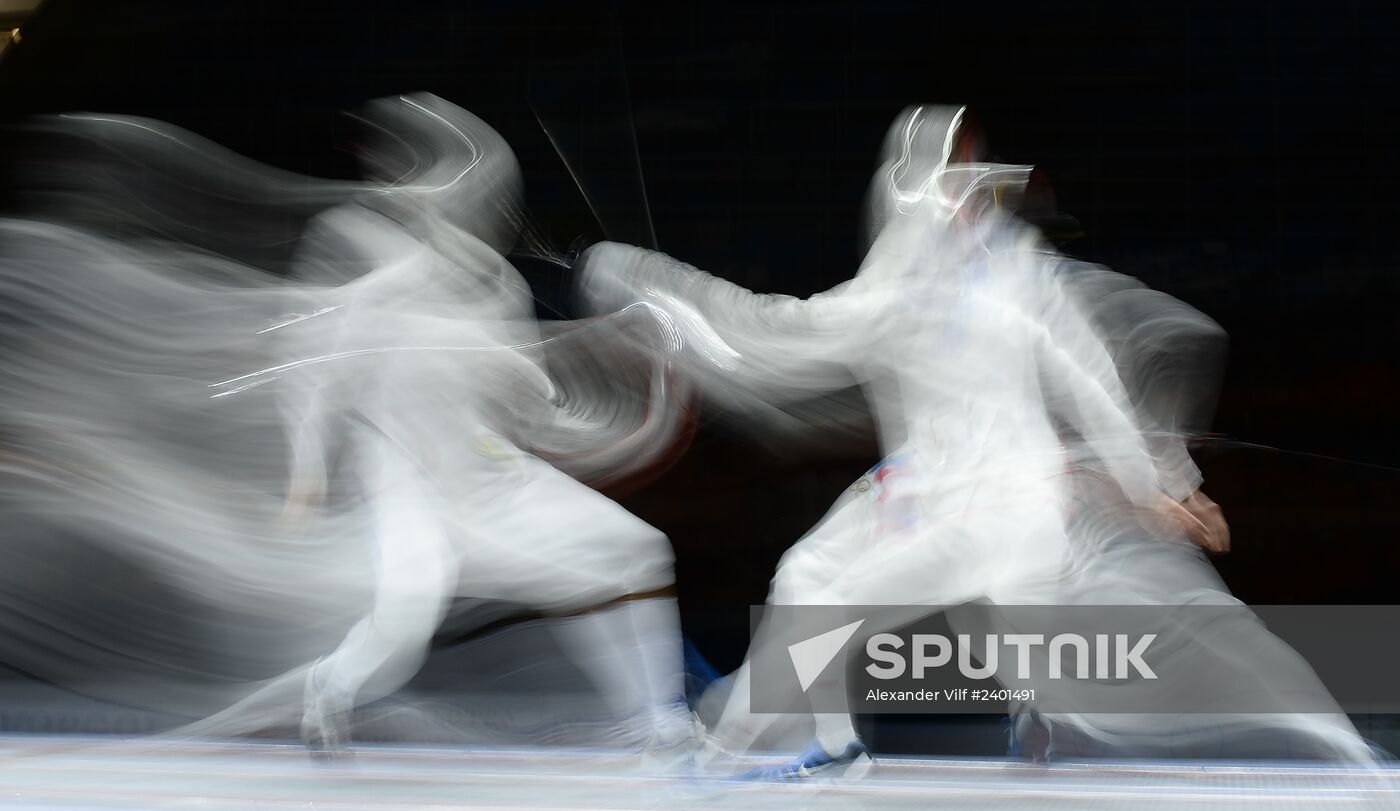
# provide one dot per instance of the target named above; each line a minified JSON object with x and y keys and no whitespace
{"x":811,"y":656}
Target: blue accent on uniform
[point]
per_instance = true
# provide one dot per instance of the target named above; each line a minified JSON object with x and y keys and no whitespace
{"x":699,"y":673}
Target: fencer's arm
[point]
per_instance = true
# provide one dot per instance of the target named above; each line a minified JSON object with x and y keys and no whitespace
{"x":1177,"y":471}
{"x":1169,"y":357}
{"x":1082,"y":385}
{"x":785,"y":346}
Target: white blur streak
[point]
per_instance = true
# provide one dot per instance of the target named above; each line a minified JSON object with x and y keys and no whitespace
{"x":1032,"y":412}
{"x":298,"y":319}
{"x":301,"y":416}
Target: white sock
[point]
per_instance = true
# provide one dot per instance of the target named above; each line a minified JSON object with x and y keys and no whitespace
{"x":656,"y":623}
{"x":601,"y":644}
{"x":834,"y":731}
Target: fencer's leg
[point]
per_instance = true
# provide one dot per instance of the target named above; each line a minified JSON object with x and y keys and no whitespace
{"x":796,"y":582}
{"x":836,"y":749}
{"x":631,"y":650}
{"x":414,"y":573}
{"x":831,"y":704}
{"x":614,"y":573}
{"x":739,"y":727}
{"x":656,"y":624}
{"x":599,"y":642}
{"x":814,"y":572}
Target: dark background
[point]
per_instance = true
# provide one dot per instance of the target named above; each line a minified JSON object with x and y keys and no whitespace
{"x":1240,"y":159}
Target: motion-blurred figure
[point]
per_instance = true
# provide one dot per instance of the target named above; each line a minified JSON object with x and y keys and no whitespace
{"x":990,"y":386}
{"x":349,"y":447}
{"x":476,"y":514}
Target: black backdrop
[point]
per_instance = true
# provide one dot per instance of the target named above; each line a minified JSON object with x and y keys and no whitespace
{"x":1239,"y":159}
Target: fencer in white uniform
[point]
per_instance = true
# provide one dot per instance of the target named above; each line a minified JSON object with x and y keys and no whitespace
{"x":442,"y":393}
{"x":340,"y":451}
{"x":989,"y":386}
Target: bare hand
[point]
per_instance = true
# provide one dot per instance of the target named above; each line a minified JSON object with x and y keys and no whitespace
{"x":1216,"y":538}
{"x":1200,"y":518}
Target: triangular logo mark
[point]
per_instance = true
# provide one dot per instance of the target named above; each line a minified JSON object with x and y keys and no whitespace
{"x":811,"y":656}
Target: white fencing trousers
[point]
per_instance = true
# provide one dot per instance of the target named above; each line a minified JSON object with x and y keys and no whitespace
{"x":415,"y":573}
